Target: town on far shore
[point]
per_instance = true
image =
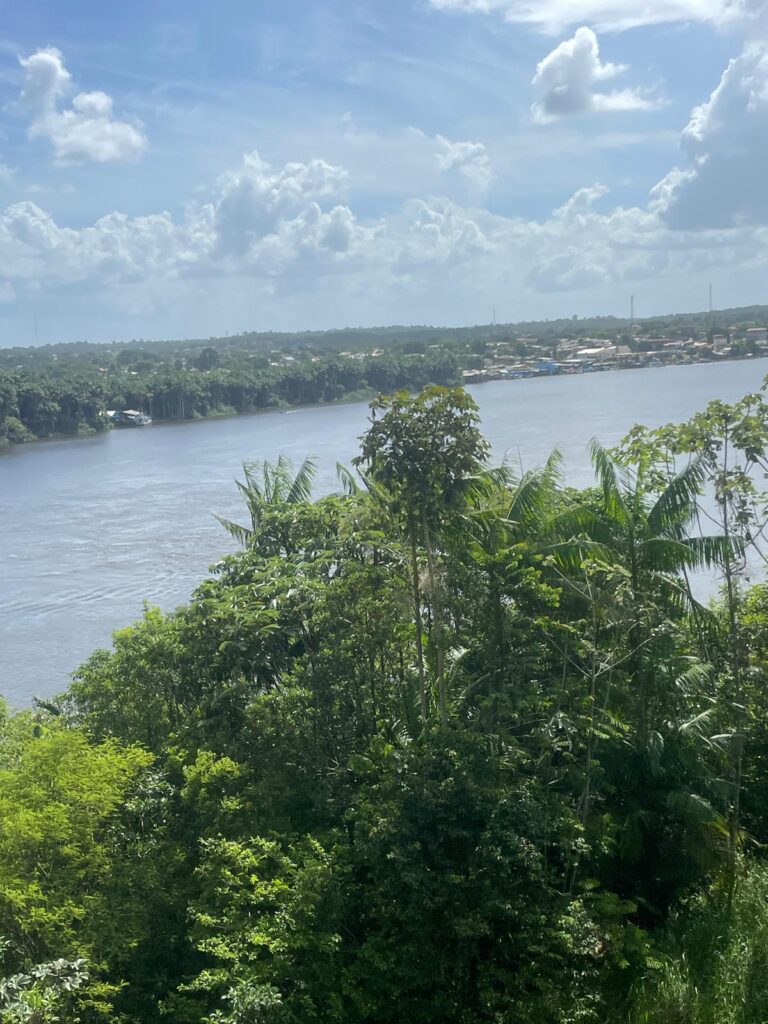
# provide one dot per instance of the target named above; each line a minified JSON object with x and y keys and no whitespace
{"x":520,"y":357}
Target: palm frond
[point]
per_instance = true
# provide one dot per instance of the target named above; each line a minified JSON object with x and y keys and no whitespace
{"x":269,"y":485}
{"x":348,"y":480}
{"x":613,"y":480}
{"x":242,"y":534}
{"x":668,"y":555}
{"x":712,"y":551}
{"x":300,"y":487}
{"x":695,"y":812}
{"x":677,"y":503}
{"x":529,"y":498}
{"x":695,"y":725}
{"x":576,"y":521}
{"x":572,"y":553}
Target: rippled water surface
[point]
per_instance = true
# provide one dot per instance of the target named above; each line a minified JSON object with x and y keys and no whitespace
{"x":92,"y":528}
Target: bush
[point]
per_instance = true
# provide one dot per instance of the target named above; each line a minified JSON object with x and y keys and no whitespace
{"x":713,"y":962}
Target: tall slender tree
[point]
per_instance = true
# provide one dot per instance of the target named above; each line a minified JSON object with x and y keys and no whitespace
{"x":423,"y":450}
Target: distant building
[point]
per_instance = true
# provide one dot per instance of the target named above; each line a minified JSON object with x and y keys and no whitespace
{"x":473,"y":376}
{"x":568,"y":344}
{"x":594,"y":354}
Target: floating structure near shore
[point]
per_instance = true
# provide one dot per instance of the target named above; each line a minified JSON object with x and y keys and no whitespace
{"x":128,"y":418}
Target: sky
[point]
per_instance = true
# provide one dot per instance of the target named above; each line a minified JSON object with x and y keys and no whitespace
{"x":186,"y":169}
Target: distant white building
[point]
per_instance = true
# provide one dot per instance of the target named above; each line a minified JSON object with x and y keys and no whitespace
{"x":594,"y":353}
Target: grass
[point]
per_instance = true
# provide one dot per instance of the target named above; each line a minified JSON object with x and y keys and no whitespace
{"x":712,"y":963}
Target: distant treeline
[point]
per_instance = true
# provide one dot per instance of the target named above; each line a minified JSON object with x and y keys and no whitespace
{"x":415,"y":336}
{"x":67,"y":397}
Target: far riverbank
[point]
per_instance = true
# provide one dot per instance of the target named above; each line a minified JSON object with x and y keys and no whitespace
{"x":470,"y":379}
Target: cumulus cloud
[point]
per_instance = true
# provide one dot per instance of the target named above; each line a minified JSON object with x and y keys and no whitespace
{"x":253,"y":201}
{"x":726,"y":141}
{"x":86,"y":130}
{"x":435,"y":233}
{"x":469,"y":159}
{"x":258,"y":221}
{"x":46,"y":80}
{"x":568,"y":81}
{"x":554,"y":16}
{"x":293,"y":235}
{"x":289,"y":232}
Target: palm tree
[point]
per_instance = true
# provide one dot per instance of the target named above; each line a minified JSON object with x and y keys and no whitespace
{"x":269,"y":487}
{"x":651,"y":536}
{"x":504,"y":521}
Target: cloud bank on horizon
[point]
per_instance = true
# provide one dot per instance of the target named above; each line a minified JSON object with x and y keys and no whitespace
{"x":394,"y":221}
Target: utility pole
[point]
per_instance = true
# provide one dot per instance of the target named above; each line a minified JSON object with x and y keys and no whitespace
{"x":710,"y":301}
{"x":631,"y":312}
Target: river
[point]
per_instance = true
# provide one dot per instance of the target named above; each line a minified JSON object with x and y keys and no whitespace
{"x":92,"y":528}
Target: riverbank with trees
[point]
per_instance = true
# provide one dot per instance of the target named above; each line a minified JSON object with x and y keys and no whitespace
{"x":66,"y":399}
{"x":65,"y":390}
{"x":451,"y":745}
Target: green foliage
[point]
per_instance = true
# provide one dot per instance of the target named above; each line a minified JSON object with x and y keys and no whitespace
{"x":44,"y":394}
{"x":60,"y":803}
{"x":42,"y":995}
{"x":422,"y":449}
{"x":711,"y":962}
{"x":453,"y":746}
{"x":268,"y":487}
{"x":262,"y":917}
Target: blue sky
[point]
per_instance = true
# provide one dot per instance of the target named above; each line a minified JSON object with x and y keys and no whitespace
{"x":185,"y":169}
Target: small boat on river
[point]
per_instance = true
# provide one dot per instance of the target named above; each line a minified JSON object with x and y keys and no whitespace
{"x":128,"y":418}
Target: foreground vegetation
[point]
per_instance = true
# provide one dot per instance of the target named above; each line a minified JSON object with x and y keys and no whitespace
{"x":449,"y":746}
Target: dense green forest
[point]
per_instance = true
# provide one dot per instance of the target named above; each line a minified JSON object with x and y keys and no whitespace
{"x":451,"y":745}
{"x":68,"y":395}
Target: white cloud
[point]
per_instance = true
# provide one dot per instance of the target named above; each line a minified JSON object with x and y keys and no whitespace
{"x":567,"y":81}
{"x":84,"y":131}
{"x":469,"y":159}
{"x":554,"y":16}
{"x":253,"y":202}
{"x":46,"y":81}
{"x":259,"y":221}
{"x":436,"y":233}
{"x":285,"y":238}
{"x":726,"y":141}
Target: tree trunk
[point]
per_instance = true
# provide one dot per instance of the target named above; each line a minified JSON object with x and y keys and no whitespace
{"x":442,"y":696}
{"x":734,"y":643}
{"x":417,"y":617}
